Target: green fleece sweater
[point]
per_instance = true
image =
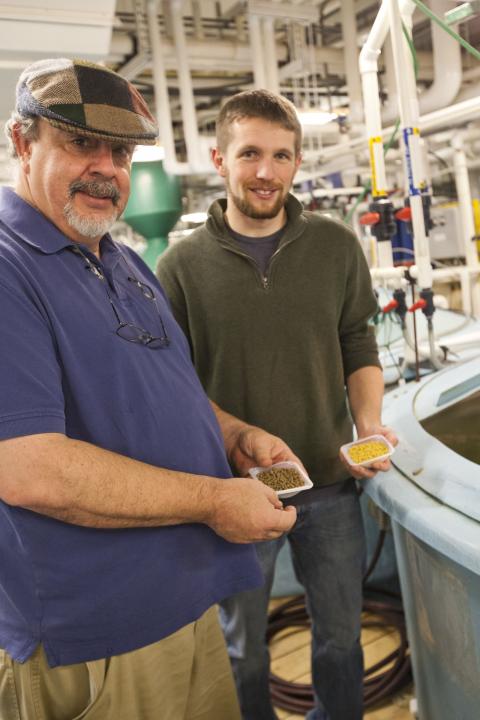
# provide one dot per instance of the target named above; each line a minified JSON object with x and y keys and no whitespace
{"x":276,"y":351}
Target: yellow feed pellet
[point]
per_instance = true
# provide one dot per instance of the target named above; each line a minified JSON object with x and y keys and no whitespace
{"x":367,"y":451}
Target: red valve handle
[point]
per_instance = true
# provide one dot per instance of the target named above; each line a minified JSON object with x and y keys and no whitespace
{"x":370,"y":218}
{"x":404,"y":214}
{"x":419,"y":305}
{"x":390,"y":306}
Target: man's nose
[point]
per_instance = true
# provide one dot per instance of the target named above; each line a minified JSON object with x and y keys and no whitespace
{"x":265,"y":169}
{"x":102,"y":160}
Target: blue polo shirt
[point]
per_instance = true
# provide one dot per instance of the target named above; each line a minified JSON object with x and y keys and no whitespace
{"x":87,"y":593}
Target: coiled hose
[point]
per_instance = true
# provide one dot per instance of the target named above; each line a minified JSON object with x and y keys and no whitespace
{"x":377,"y":684}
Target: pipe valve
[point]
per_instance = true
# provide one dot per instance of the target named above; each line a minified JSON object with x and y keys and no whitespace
{"x":381,"y":219}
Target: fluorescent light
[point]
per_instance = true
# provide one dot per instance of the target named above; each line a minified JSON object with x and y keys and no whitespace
{"x":315,"y":117}
{"x":195,"y":217}
{"x":148,"y":153}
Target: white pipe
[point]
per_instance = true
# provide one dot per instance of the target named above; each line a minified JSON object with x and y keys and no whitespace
{"x":350,"y":52}
{"x":464,"y":274}
{"x":162,"y":102}
{"x":444,"y":118}
{"x":387,"y":273}
{"x":197,"y":19}
{"x":368,"y":66}
{"x":188,"y":110}
{"x":409,"y":115}
{"x":390,"y":108}
{"x":270,"y":55}
{"x":468,"y":92}
{"x":466,"y":215}
{"x":447,"y":64}
{"x":464,"y":201}
{"x":259,"y":74}
{"x":461,"y":341}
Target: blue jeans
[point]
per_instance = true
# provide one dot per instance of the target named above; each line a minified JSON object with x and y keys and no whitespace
{"x":328,"y":553}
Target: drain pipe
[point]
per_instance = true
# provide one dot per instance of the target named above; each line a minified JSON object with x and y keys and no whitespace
{"x":162,"y":102}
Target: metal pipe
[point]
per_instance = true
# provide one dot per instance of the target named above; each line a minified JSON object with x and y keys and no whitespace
{"x":162,"y":102}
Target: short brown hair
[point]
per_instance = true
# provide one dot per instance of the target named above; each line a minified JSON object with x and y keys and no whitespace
{"x":258,"y":104}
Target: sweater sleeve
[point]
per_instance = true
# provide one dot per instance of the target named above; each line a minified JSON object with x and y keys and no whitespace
{"x":168,"y":272}
{"x":357,"y":335}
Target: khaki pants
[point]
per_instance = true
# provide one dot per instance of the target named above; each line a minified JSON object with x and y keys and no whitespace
{"x":185,"y":676}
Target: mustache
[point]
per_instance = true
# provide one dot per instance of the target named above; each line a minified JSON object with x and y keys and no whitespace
{"x":95,"y":188}
{"x":266,"y":186}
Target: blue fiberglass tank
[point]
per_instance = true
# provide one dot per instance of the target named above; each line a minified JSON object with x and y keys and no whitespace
{"x":432,"y":495}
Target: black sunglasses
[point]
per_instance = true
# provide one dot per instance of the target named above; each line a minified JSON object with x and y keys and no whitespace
{"x":127,"y":330}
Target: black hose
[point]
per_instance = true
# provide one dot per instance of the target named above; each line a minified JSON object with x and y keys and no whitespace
{"x":377,"y":684}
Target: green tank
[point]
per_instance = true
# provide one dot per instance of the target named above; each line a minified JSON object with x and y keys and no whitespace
{"x":154,"y":206}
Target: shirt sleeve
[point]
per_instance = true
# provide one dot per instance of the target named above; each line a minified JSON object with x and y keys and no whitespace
{"x":30,"y":375}
{"x":357,"y":335}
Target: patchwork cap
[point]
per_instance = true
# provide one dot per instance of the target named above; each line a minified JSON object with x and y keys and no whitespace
{"x":87,"y":99}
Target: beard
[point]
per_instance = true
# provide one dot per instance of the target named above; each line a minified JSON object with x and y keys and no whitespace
{"x":250,"y":210}
{"x":91,"y":226}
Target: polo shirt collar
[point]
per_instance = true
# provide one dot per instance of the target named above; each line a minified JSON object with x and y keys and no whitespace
{"x":33,"y":228}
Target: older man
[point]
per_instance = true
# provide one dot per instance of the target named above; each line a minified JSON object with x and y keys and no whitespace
{"x":120,"y":524}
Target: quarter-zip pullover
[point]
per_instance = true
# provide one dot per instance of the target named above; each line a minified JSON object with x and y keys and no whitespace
{"x":277,"y":353}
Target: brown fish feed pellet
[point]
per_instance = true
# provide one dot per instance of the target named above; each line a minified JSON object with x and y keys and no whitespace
{"x":281,"y":478}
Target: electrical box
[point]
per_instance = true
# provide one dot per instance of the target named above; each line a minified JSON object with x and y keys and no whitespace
{"x":445,"y":237}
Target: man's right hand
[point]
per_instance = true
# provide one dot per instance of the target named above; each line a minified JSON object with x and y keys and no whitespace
{"x":246,"y":510}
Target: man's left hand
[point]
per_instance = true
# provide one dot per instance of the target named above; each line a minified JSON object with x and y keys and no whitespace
{"x":360,"y":472}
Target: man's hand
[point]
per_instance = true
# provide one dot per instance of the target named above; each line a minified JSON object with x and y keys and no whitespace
{"x":249,"y":446}
{"x":245,"y":510}
{"x":255,"y":447}
{"x":360,"y":472}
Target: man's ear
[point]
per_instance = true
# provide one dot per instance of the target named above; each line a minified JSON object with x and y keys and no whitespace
{"x":218,"y":161}
{"x":22,"y":147}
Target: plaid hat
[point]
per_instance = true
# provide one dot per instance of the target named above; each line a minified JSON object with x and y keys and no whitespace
{"x":85,"y":98}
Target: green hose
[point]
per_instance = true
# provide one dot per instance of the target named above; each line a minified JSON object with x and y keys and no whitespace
{"x":426,"y":10}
